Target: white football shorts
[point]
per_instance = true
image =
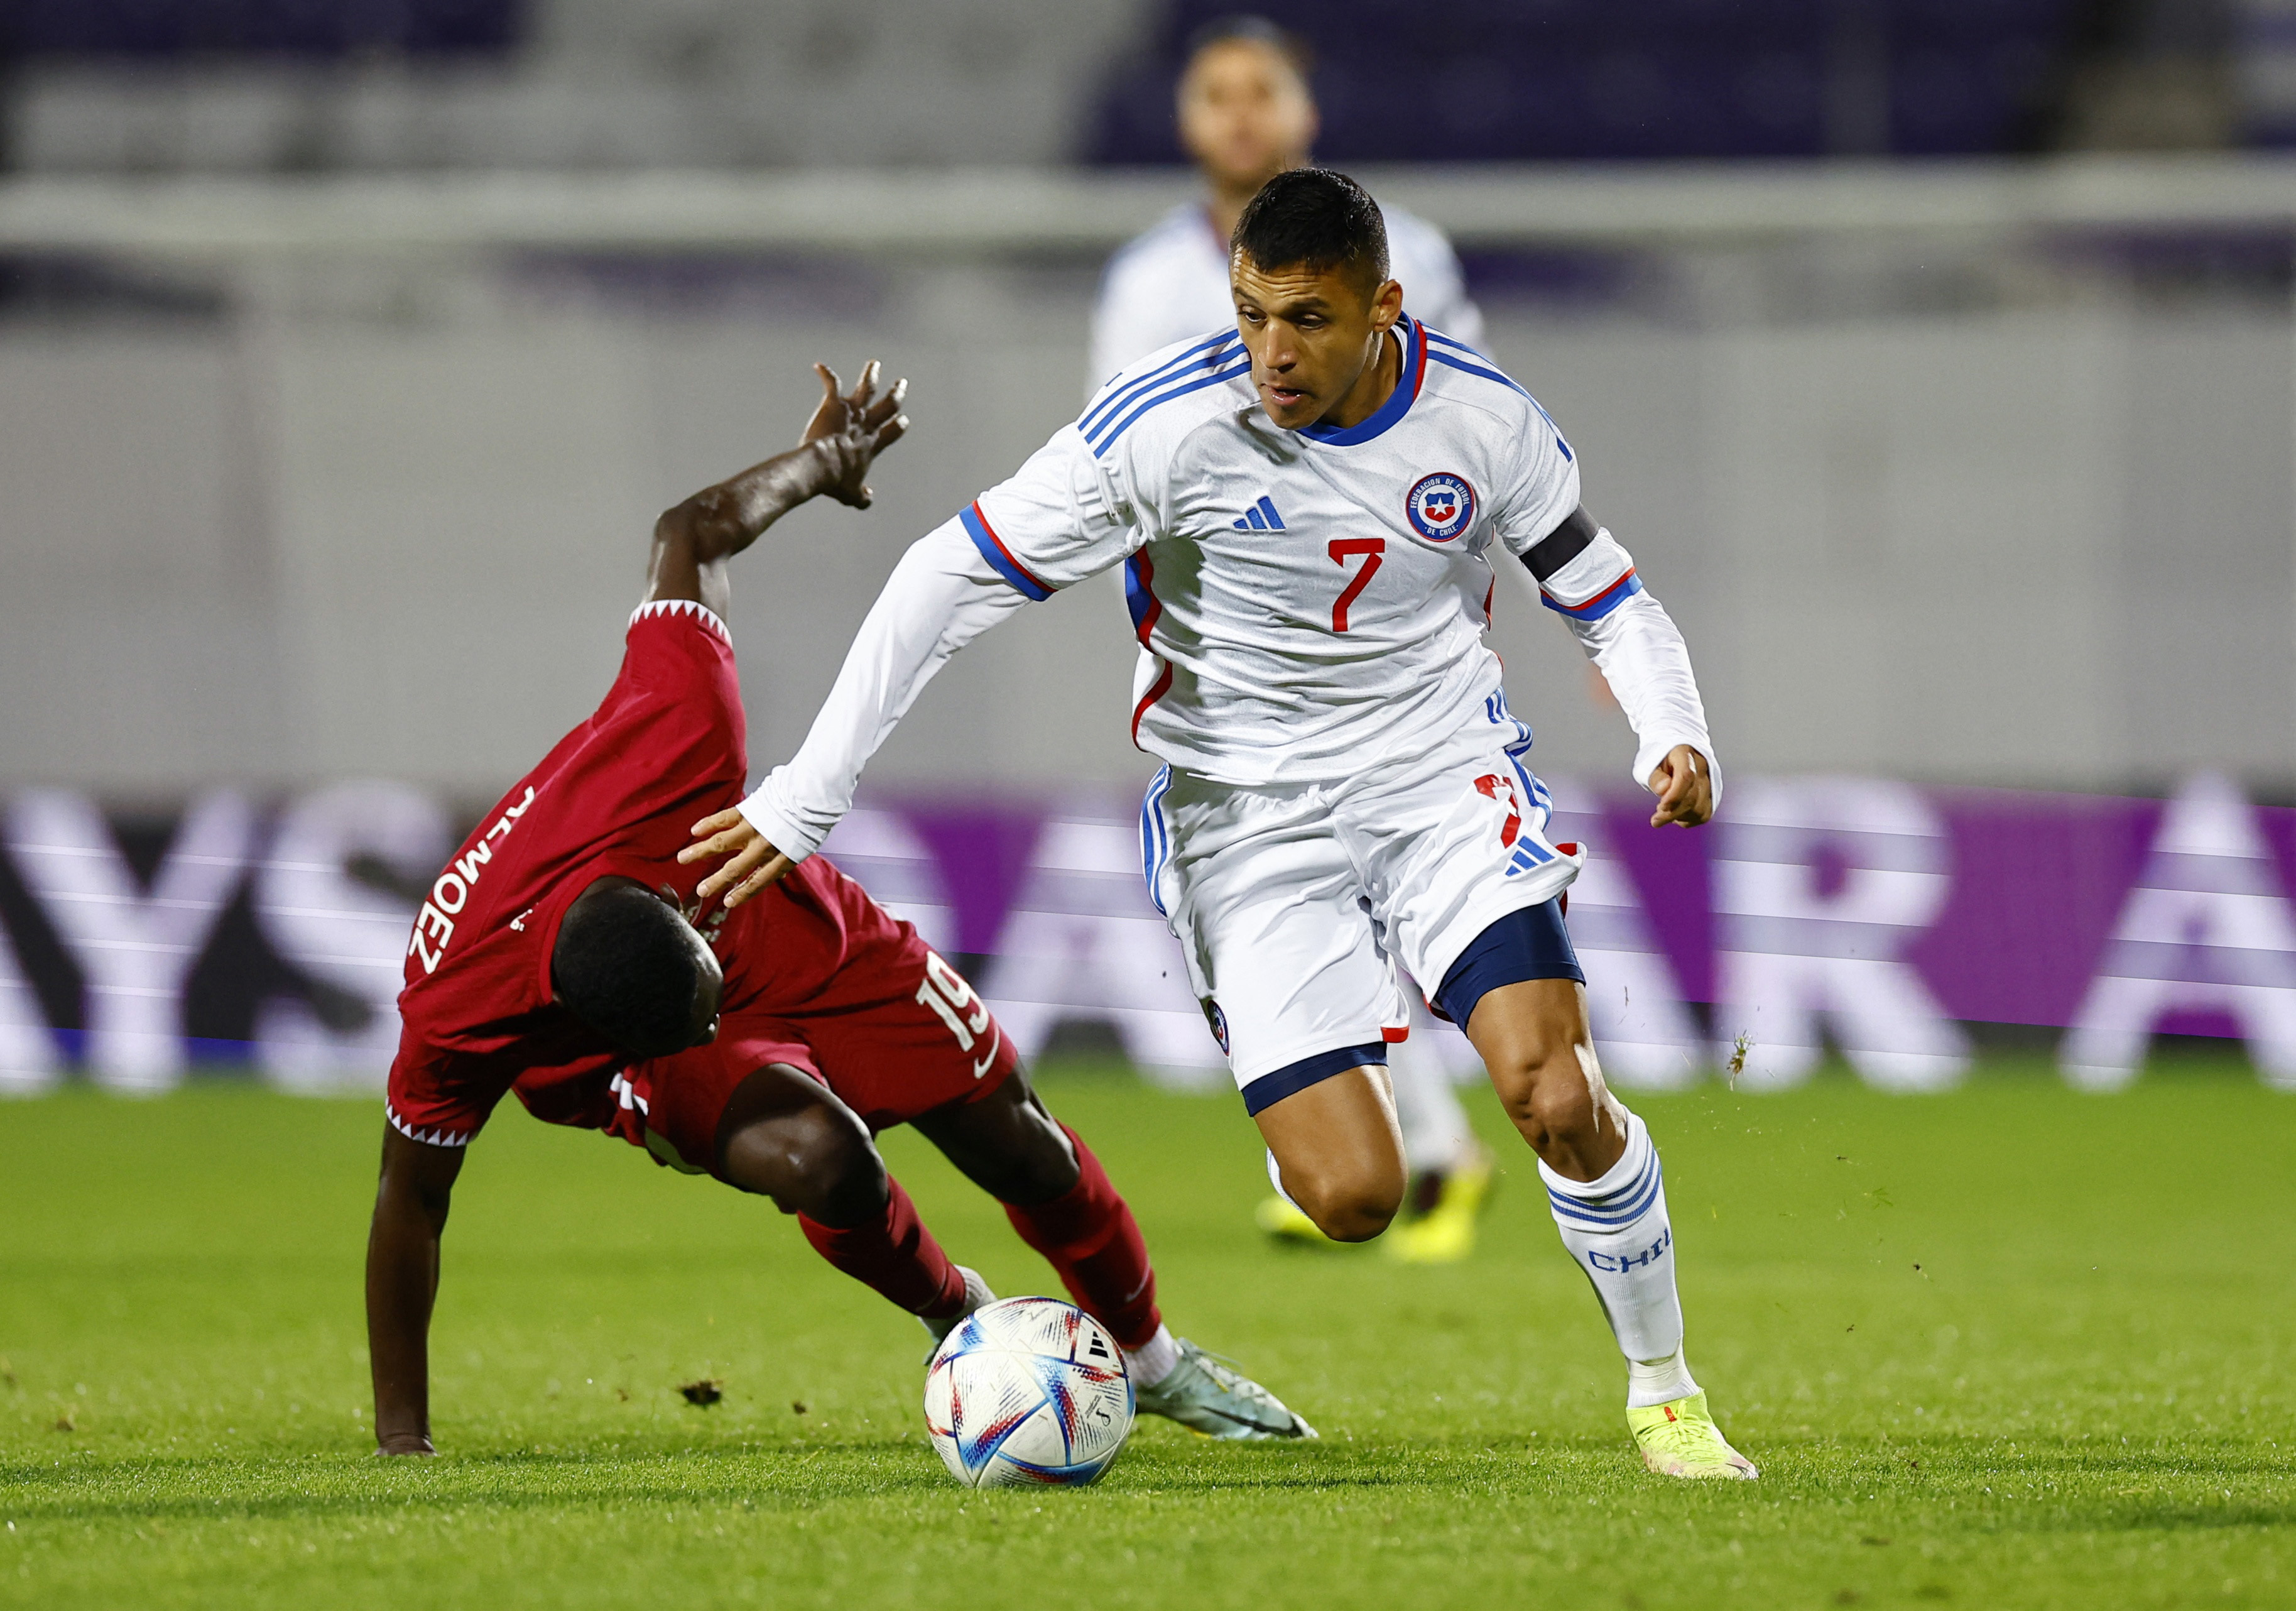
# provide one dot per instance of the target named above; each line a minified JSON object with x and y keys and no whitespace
{"x":1295,"y":907}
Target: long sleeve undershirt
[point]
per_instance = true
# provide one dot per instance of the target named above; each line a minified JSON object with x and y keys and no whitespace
{"x":939,"y":598}
{"x":1642,"y":655}
{"x":943,"y":595}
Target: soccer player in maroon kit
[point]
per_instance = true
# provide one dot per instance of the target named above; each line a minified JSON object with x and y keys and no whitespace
{"x":562,"y":955}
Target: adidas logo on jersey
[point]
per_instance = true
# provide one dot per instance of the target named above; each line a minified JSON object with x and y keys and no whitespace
{"x":1262,"y":517}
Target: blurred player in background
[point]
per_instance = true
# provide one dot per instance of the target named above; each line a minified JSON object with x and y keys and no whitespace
{"x":565,"y":955}
{"x":1246,"y":114}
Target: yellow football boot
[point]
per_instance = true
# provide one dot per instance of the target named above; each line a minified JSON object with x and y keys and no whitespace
{"x":1279,"y":1219}
{"x":1680,"y":1439}
{"x":1445,"y":1233}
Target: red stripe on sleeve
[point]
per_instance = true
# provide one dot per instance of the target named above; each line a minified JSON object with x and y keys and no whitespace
{"x":982,"y":516}
{"x":1598,"y":598}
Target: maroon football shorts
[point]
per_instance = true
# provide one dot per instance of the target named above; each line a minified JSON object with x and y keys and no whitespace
{"x":927,"y":1041}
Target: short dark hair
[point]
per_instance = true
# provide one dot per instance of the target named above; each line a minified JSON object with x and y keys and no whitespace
{"x":1316,"y":217}
{"x":630,"y":967}
{"x":1246,"y":27}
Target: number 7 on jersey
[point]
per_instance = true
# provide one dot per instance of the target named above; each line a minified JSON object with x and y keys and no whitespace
{"x":1342,"y":550}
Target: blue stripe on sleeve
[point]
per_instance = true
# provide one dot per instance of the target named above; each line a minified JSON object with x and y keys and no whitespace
{"x":993,"y":551}
{"x":1602,"y":604}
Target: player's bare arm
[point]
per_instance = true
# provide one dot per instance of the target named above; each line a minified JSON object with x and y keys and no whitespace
{"x":693,"y":541}
{"x":401,"y":1281}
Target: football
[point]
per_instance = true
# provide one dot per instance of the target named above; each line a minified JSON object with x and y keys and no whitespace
{"x":1027,"y":1393}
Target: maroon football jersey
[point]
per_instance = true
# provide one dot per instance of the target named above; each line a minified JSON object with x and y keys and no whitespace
{"x":617,"y":796}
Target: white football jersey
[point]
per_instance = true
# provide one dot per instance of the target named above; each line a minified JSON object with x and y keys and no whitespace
{"x":1171,"y":284}
{"x":1307,"y":603}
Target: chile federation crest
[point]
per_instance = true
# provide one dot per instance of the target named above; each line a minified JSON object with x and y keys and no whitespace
{"x":1441,"y":507}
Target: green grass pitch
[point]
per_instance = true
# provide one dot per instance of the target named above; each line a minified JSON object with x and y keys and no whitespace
{"x":2013,"y":1346}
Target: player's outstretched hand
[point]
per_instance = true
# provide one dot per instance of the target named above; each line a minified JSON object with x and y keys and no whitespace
{"x":753,"y":863}
{"x":855,"y":427}
{"x":1685,"y":786}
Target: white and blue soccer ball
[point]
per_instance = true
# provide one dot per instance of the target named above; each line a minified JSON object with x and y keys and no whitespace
{"x":1027,"y":1393}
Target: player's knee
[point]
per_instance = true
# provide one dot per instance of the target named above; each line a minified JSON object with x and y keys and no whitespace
{"x":1039,"y":1169}
{"x":843,"y":1179}
{"x":854,"y":1187}
{"x":818,"y":1162}
{"x":1358,"y":1215}
{"x":1353,"y":1206}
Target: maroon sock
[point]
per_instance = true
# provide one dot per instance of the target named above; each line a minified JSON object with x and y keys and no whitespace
{"x":895,"y":1254}
{"x":1089,"y":1236}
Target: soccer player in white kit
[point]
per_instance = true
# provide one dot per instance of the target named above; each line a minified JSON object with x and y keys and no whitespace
{"x":1245,"y":114}
{"x":1309,"y":508}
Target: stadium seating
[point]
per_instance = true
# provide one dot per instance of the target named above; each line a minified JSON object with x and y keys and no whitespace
{"x":311,"y":29}
{"x":1454,"y":80}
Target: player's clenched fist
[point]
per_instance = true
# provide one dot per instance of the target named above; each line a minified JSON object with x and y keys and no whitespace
{"x":1683,"y":784}
{"x":753,"y":862}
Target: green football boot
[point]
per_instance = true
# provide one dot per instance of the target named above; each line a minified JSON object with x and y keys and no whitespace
{"x":1680,"y":1439}
{"x":1213,"y":1398}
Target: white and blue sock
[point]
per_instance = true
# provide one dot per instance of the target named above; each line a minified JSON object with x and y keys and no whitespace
{"x":1617,"y":1229}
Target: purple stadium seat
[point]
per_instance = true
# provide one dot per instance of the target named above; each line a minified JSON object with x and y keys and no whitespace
{"x":1468,"y":80}
{"x":312,"y":29}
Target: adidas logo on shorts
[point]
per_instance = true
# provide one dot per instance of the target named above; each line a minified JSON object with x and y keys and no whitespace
{"x":1528,"y":854}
